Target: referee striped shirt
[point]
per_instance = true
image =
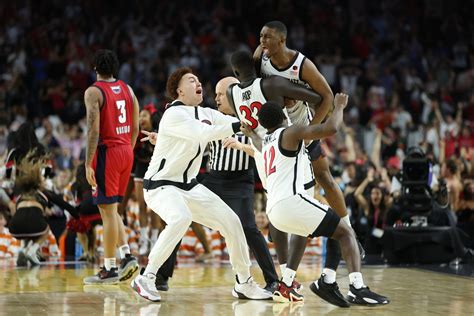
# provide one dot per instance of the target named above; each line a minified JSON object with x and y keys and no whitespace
{"x":229,"y":159}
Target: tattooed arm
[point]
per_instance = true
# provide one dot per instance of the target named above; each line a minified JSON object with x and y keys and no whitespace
{"x":92,"y":99}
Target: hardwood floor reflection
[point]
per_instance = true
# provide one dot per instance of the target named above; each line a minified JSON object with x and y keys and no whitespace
{"x":206,"y":290}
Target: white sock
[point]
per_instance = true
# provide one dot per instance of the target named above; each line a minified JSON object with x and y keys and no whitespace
{"x":109,"y":263}
{"x":154,"y":234}
{"x":282,"y":268}
{"x":347,"y":220}
{"x":243,"y":277}
{"x":288,"y":276}
{"x":355,"y":278}
{"x":124,"y":250}
{"x":330,"y":276}
{"x":143,"y":233}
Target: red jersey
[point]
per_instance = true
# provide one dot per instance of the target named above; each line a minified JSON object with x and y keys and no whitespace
{"x":116,"y":114}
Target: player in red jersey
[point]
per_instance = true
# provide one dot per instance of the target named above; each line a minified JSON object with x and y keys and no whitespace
{"x":112,"y":130}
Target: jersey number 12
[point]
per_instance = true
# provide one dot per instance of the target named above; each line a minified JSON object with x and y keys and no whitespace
{"x":269,"y":157}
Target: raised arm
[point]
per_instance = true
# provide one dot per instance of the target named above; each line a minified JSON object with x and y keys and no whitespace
{"x":276,"y":88}
{"x":295,"y":133}
{"x":359,"y":192}
{"x":136,"y":114}
{"x":311,"y":75}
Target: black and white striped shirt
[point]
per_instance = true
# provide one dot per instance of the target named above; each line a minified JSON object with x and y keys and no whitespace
{"x":229,"y":159}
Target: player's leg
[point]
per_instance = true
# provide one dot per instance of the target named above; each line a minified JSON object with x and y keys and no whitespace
{"x":202,"y":237}
{"x":166,"y":270}
{"x":142,"y":217}
{"x":168,"y":202}
{"x":208,"y":209}
{"x":243,"y":207}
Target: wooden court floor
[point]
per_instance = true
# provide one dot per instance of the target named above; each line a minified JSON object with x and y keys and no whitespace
{"x":205,"y":289}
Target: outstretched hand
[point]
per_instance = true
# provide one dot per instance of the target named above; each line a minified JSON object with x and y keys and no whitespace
{"x":150,"y":136}
{"x":245,"y":128}
{"x":340,"y":100}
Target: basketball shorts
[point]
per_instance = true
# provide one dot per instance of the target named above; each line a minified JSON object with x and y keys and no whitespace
{"x":112,"y":167}
{"x":303,"y":215}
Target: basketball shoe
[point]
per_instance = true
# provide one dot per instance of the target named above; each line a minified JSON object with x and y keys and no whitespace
{"x":103,"y":277}
{"x":128,"y":266}
{"x":328,"y":292}
{"x":250,"y":290}
{"x":364,"y":296}
{"x":286,"y":293}
{"x":144,"y":285}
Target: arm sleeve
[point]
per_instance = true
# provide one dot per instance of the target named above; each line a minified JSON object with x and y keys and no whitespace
{"x":58,"y":200}
{"x":180,"y":124}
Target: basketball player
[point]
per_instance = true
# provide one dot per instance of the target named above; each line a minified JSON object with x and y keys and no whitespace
{"x":112,"y":129}
{"x":292,"y":210}
{"x":247,"y":99}
{"x":171,"y":190}
{"x":273,"y":57}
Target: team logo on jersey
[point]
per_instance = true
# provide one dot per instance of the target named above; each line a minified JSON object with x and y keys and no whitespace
{"x":264,"y":57}
{"x":294,"y":70}
{"x":116,"y":89}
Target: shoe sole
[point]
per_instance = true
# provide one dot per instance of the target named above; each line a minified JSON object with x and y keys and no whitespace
{"x":356,"y":301}
{"x":102,"y":282}
{"x":244,"y":297}
{"x":136,"y":289}
{"x":316,"y":291}
{"x":277,"y":297}
{"x":129,"y":273}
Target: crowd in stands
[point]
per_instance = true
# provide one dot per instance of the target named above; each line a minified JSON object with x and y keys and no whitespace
{"x":409,"y":86}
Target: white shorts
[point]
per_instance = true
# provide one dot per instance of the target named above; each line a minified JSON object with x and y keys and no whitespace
{"x":303,"y":215}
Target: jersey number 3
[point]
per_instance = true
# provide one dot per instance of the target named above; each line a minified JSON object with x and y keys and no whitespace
{"x":251,"y":113}
{"x":123,"y":114}
{"x":269,"y":157}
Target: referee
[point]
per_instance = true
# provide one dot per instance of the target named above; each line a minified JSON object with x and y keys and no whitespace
{"x":231,"y":177}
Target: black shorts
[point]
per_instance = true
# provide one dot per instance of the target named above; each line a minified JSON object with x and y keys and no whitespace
{"x":314,"y":150}
{"x":28,"y":222}
{"x":140,"y":170}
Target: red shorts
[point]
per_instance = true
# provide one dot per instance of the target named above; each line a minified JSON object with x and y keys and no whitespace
{"x":112,"y":171}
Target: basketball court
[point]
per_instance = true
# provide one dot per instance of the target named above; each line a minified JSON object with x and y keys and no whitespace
{"x":205,"y":289}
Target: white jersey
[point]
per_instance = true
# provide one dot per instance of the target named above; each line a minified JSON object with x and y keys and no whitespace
{"x":299,"y":113}
{"x":183,"y":136}
{"x":285,"y":169}
{"x":248,"y":102}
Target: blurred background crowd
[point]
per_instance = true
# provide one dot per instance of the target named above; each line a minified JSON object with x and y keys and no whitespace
{"x":408,"y":67}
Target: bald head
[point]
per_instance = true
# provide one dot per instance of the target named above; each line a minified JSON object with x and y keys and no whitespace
{"x":222,"y":102}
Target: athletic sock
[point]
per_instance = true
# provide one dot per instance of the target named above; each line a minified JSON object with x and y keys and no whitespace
{"x":243,"y":277}
{"x":347,"y":220}
{"x":109,"y":263}
{"x":329,"y":276}
{"x":143,"y":233}
{"x":355,"y":278}
{"x":288,"y":276}
{"x":124,"y":250}
{"x":282,"y":268}
{"x":154,"y":234}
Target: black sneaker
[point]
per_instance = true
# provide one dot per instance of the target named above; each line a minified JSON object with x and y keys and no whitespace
{"x":364,"y":296}
{"x":161,"y":283}
{"x":103,"y":277}
{"x":272,"y":287}
{"x":328,"y":292}
{"x":128,"y":267}
{"x":361,"y":250}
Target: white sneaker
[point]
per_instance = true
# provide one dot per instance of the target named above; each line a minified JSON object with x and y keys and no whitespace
{"x":144,"y":285}
{"x":250,"y":290}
